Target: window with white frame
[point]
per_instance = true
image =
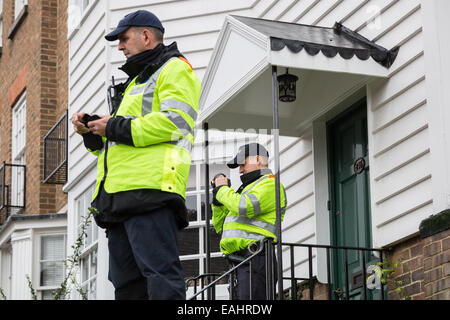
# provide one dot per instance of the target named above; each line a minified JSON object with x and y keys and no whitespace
{"x":18,"y":7}
{"x":1,"y":24}
{"x":19,"y":114}
{"x":90,"y":245}
{"x":76,"y":11}
{"x":191,"y":241}
{"x":51,"y":264}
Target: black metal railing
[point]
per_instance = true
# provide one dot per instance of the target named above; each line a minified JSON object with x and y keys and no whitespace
{"x":202,"y":280}
{"x":347,"y":272}
{"x":56,"y":152}
{"x":12,"y":189}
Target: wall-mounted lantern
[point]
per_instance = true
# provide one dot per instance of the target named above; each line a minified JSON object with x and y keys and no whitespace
{"x":287,"y":86}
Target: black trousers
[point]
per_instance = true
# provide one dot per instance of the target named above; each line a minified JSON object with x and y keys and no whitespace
{"x":143,"y":258}
{"x":241,"y":285}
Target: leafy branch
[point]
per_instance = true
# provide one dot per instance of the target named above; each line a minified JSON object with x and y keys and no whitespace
{"x":72,"y":263}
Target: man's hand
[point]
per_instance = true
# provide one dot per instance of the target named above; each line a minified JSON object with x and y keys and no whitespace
{"x":221,"y":181}
{"x":79,"y":126}
{"x":98,"y":127}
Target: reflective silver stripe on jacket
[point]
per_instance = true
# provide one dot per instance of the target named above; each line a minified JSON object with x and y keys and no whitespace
{"x":253,"y":199}
{"x":252,"y":222}
{"x":243,"y":204}
{"x":242,"y":234}
{"x":175,"y":104}
{"x":147,"y":99}
{"x":183,"y":143}
{"x":179,"y":122}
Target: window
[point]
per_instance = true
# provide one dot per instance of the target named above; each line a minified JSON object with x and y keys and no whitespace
{"x":52,"y":255}
{"x":90,"y":245}
{"x":76,"y":11}
{"x":18,"y":7}
{"x":191,"y":241}
{"x":18,"y":151}
{"x":1,"y":26}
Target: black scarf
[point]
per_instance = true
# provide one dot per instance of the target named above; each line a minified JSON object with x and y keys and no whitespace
{"x":250,"y":177}
{"x":147,"y":62}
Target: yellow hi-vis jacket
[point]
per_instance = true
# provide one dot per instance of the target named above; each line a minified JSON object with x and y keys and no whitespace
{"x":249,"y":216}
{"x":163,"y":112}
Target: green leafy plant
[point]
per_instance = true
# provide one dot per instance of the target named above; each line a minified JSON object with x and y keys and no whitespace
{"x":385,"y":273}
{"x":72,"y":263}
{"x":30,"y":285}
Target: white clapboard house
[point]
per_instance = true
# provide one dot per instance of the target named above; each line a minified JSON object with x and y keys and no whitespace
{"x":364,"y":150}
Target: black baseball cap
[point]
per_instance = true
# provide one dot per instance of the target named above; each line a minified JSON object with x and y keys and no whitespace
{"x":140,"y":18}
{"x":250,"y":149}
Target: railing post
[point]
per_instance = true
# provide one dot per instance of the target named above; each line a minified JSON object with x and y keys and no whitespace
{"x":311,"y":282}
{"x":330,"y":291}
{"x":363,"y":253}
{"x":277,"y":180}
{"x":250,"y":279}
{"x":207,"y":206}
{"x":347,"y":290}
{"x":269,"y":270}
{"x":293,"y":281}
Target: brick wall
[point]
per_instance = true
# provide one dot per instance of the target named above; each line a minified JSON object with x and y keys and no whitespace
{"x":35,"y":59}
{"x":423,"y":267}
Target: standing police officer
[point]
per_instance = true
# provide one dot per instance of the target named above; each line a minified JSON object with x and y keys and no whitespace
{"x":247,"y":216}
{"x":143,"y":151}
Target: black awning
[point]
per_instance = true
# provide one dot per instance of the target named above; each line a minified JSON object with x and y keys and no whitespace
{"x":330,"y":41}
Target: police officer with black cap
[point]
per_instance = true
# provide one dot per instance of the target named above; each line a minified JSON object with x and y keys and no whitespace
{"x":247,"y":216}
{"x":143,"y":149}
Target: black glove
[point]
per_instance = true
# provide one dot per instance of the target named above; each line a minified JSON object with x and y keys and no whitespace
{"x":216,"y":189}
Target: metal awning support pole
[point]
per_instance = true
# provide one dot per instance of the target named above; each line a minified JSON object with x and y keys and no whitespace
{"x":277,"y":180}
{"x":207,"y":208}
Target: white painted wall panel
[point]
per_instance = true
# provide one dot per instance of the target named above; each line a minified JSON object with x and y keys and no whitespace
{"x":22,"y":258}
{"x":397,"y":14}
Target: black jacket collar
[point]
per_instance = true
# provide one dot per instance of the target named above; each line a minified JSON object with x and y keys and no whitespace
{"x":250,"y":177}
{"x":144,"y":64}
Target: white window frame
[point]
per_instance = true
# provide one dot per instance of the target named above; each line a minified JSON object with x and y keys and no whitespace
{"x":1,"y":25}
{"x":18,"y":144}
{"x":89,"y":254}
{"x":199,"y":223}
{"x":77,"y":12}
{"x":40,"y":289}
{"x":18,"y":7}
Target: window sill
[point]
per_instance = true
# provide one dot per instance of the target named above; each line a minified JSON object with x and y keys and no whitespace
{"x":16,"y":24}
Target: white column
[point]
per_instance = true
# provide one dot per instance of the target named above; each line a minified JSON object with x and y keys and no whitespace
{"x":21,"y":264}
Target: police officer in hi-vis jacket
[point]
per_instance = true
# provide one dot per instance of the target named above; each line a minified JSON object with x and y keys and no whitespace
{"x":246,"y":216}
{"x":143,"y":149}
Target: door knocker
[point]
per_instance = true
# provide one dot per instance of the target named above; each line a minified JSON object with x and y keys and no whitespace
{"x":359,"y":165}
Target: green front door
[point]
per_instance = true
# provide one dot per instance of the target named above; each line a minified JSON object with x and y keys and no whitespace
{"x":350,"y":200}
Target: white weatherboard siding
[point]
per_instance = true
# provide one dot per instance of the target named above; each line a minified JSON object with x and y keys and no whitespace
{"x":87,"y":82}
